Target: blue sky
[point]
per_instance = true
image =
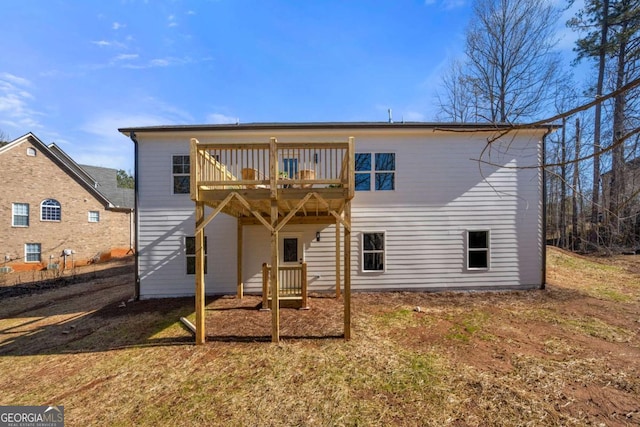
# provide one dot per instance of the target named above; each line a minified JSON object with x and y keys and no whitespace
{"x":72,"y":72}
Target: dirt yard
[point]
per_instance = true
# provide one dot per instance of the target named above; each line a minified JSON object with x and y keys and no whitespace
{"x":567,"y":355}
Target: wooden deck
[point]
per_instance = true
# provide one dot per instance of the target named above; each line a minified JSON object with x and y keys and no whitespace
{"x":243,"y":179}
{"x":273,"y":184}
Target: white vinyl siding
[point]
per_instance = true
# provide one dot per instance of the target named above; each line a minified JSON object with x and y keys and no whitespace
{"x":440,"y":194}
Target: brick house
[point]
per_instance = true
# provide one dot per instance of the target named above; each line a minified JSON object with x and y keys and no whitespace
{"x":54,"y":211}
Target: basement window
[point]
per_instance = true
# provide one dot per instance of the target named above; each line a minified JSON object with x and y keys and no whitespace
{"x":190,"y":251}
{"x":32,"y":252}
{"x":477,"y":249}
{"x":373,"y":252}
{"x":181,"y":170}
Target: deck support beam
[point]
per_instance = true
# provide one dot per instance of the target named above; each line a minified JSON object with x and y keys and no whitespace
{"x":240,"y":284}
{"x":347,"y":271}
{"x":200,"y":288}
{"x":337,"y":259}
{"x":273,"y":275}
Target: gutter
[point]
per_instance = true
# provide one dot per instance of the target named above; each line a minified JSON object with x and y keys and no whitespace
{"x":136,"y":293}
{"x":543,"y":249}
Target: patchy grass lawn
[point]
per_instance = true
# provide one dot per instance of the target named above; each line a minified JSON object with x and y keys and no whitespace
{"x":567,"y":355}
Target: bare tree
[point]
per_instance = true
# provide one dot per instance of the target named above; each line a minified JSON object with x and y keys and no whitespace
{"x":457,"y":98}
{"x":510,"y":58}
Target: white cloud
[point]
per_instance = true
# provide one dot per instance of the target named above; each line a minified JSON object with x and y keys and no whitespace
{"x":109,"y":43}
{"x":191,"y":12}
{"x":220,"y":119}
{"x":162,"y":62}
{"x":447,"y":4}
{"x":116,"y":26}
{"x":101,"y":43}
{"x":15,"y":108}
{"x":126,"y":57}
{"x":172,"y":21}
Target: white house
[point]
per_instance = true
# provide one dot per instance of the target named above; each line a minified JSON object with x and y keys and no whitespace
{"x":428,"y":206}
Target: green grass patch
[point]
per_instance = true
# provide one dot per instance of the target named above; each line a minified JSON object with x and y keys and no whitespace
{"x":468,"y":325}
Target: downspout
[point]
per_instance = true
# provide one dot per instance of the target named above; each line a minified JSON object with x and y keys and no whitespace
{"x":136,"y":295}
{"x":543,"y":272}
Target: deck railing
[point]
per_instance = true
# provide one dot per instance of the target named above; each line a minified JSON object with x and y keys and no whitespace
{"x":292,"y":280}
{"x":269,"y":165}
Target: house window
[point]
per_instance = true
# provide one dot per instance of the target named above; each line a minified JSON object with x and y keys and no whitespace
{"x":376,"y":168}
{"x":32,"y":252}
{"x":478,"y":250}
{"x":373,"y":255}
{"x":94,"y":216}
{"x":31,"y":152}
{"x":190,"y":251}
{"x":50,"y":210}
{"x":20,"y":215}
{"x":181,"y":171}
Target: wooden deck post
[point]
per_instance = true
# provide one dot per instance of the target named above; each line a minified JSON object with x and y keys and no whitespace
{"x":337,"y":259}
{"x":240,"y":284}
{"x":347,"y":271}
{"x":273,"y":277}
{"x":200,"y":289}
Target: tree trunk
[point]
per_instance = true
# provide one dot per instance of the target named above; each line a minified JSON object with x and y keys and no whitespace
{"x":563,"y":186}
{"x":574,"y":197}
{"x":595,"y":196}
{"x":617,"y":186}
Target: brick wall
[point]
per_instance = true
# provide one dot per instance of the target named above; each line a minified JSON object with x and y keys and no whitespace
{"x":32,"y":179}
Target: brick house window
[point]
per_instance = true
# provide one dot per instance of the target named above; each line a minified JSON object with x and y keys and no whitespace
{"x":32,"y":252}
{"x":94,"y":216}
{"x":31,"y":152}
{"x":20,"y":215}
{"x":181,"y":169}
{"x":50,"y":210}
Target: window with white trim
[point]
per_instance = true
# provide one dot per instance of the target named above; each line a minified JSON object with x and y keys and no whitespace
{"x":373,"y":255}
{"x":190,"y":253}
{"x":181,"y":169}
{"x":50,"y":210}
{"x":32,"y":252}
{"x":31,"y":152}
{"x":478,"y":249}
{"x":20,"y":216}
{"x":377,"y":170}
{"x":94,"y":216}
